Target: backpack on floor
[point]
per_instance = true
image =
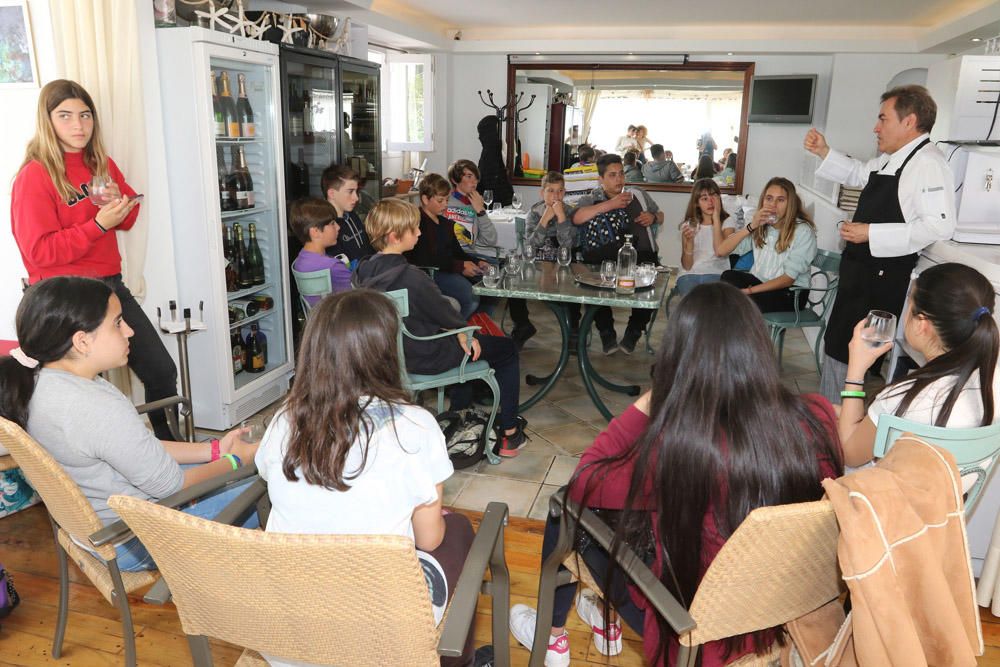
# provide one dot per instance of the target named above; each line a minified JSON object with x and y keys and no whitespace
{"x":8,"y":596}
{"x":465,"y":436}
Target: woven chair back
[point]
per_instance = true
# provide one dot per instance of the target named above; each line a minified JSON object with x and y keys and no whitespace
{"x":63,"y":499}
{"x":329,"y":599}
{"x":780,"y":563}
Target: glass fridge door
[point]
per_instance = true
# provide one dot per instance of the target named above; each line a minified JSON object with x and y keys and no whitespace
{"x":361,"y":142}
{"x":312,"y":123}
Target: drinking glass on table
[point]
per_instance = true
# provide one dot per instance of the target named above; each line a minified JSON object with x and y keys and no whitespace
{"x":608,"y":271}
{"x":879,"y":328}
{"x":102,"y":190}
{"x":516,"y":202}
{"x":497,"y":207}
{"x":514,"y":263}
{"x":491,"y":278}
{"x":565,"y":255}
{"x":529,"y":253}
{"x":487,"y":198}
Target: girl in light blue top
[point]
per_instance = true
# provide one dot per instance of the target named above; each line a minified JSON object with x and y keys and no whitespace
{"x":783,"y":241}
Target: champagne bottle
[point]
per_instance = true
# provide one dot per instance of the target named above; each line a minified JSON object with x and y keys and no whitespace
{"x":220,"y":124}
{"x":236,"y":180}
{"x":627,"y":258}
{"x":226,"y":203}
{"x":236,"y":314}
{"x":256,"y":258}
{"x":243,"y":110}
{"x":266,"y":302}
{"x":244,"y":278}
{"x":229,"y":108}
{"x":250,"y":307}
{"x":247,"y":178}
{"x":232,"y":277}
{"x":236,"y":342}
{"x":255,"y":356}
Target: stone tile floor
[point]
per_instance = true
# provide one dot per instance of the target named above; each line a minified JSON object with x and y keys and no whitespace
{"x":563,"y":424}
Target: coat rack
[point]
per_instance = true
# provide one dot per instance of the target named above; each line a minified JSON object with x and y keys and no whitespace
{"x":512,"y":105}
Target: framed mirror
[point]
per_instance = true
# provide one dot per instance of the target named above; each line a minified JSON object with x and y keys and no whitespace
{"x":689,"y":109}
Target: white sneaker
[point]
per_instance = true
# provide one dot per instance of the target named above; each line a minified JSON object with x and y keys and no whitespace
{"x":589,"y":606}
{"x":522,"y":626}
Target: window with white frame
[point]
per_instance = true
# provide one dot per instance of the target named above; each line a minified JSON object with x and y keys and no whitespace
{"x":409,"y":95}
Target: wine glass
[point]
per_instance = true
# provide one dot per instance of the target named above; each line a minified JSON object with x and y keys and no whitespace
{"x":565,"y":256}
{"x":529,"y":253}
{"x":879,"y":328}
{"x":608,"y":271}
{"x":487,"y":198}
{"x":516,"y":202}
{"x":102,"y":190}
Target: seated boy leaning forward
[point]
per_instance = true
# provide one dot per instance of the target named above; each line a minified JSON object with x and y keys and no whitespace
{"x":340,"y":187}
{"x":394,"y":227}
{"x":314,"y":223}
{"x":607,"y":214}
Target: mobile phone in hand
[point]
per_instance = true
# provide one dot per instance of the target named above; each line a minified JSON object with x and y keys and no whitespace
{"x":137,"y":198}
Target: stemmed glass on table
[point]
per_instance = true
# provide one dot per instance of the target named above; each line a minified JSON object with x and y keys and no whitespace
{"x":516,"y":202}
{"x":487,"y":198}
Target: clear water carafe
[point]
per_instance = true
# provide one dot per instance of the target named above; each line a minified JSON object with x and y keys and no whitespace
{"x":627,"y":264}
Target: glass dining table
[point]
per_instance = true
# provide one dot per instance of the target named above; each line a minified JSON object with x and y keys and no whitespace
{"x":557,"y":286}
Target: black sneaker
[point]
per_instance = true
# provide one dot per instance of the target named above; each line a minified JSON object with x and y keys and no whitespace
{"x":629,"y":340}
{"x":522,"y":333}
{"x":609,"y":341}
{"x":509,"y":446}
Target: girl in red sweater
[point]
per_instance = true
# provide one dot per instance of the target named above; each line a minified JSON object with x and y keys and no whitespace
{"x":718,"y":436}
{"x":60,"y":231}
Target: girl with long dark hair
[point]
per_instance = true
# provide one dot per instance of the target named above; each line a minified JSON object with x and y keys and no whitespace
{"x":950,"y":322}
{"x":349,"y":453}
{"x":61,"y":231}
{"x":70,"y":330}
{"x":706,"y":224}
{"x":783,"y":241}
{"x":718,"y":436}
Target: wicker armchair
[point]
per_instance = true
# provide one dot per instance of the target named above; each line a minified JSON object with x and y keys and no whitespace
{"x":780,"y":564}
{"x":74,"y":522}
{"x":316,"y":598}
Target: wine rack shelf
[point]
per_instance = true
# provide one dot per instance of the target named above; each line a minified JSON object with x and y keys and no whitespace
{"x":229,"y":215}
{"x":239,"y":140}
{"x":253,"y":318}
{"x":247,"y":291}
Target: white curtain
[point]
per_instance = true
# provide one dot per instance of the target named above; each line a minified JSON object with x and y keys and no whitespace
{"x":587,"y":100}
{"x":97,"y":46}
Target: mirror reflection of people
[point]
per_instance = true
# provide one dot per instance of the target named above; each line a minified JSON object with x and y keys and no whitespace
{"x":626,"y":141}
{"x":706,"y":224}
{"x":727,"y":176}
{"x":61,"y":232}
{"x":908,"y":202}
{"x":661,"y":169}
{"x":721,"y":164}
{"x":783,"y":240}
{"x":642,"y":142}
{"x":584,"y":156}
{"x":705,"y":168}
{"x":706,"y":146}
{"x":950,"y":322}
{"x":686,"y":463}
{"x":607,"y":214}
{"x":633,"y":172}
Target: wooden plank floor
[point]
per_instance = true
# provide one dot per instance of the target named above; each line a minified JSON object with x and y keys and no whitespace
{"x":93,"y":634}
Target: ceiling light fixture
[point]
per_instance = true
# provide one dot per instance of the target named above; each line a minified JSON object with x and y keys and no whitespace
{"x":599,"y":58}
{"x":729,"y":53}
{"x":977,"y":39}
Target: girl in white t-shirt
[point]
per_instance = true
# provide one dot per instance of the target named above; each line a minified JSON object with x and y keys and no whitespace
{"x":349,"y":454}
{"x":950,"y":322}
{"x":706,"y":224}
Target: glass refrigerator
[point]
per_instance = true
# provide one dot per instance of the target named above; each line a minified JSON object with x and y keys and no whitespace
{"x":225,"y":168}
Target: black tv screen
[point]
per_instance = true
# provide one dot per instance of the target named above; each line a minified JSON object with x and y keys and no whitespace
{"x":782,"y":99}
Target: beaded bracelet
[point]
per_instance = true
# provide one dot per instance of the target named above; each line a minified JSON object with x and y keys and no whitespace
{"x":852,"y":394}
{"x":233,"y":460}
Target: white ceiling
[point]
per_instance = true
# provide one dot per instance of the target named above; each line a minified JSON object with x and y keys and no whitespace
{"x":688,"y":26}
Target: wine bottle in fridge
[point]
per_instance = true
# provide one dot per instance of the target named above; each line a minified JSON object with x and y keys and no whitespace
{"x":229,"y":108}
{"x":226,"y":203}
{"x":236,"y":343}
{"x":236,"y":182}
{"x":231,"y":276}
{"x":220,"y":124}
{"x":243,"y":110}
{"x":240,"y":165}
{"x":244,"y":277}
{"x":256,"y":258}
{"x":255,"y":355}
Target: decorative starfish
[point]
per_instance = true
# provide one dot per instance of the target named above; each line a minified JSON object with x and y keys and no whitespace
{"x":240,"y":22}
{"x":288,"y":28}
{"x":214,"y":16}
{"x":341,"y":37}
{"x":258,"y":28}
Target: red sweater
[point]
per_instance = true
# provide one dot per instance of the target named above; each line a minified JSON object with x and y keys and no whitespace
{"x":59,"y":238}
{"x":621,"y":435}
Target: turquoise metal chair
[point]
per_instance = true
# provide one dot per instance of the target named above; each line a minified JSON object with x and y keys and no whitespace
{"x":467,"y":371}
{"x":975,"y":449}
{"x":825,"y":272}
{"x":312,"y":283}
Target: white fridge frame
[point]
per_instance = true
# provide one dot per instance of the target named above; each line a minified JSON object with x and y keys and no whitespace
{"x":185,"y":59}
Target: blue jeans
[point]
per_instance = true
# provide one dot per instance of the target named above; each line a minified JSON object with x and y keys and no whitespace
{"x":133,"y":557}
{"x":689,"y":281}
{"x":459,"y":288}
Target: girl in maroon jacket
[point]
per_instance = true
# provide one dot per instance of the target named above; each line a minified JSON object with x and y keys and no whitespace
{"x":718,"y":436}
{"x":60,"y":231}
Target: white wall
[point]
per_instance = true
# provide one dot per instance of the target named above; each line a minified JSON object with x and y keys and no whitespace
{"x":18,"y":128}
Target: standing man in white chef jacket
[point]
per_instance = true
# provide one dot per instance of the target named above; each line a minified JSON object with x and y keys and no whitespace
{"x":908,"y":202}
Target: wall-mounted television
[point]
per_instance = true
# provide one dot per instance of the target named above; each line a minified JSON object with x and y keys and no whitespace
{"x":782,"y":99}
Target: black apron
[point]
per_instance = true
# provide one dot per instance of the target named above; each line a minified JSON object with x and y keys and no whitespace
{"x":866,"y":282}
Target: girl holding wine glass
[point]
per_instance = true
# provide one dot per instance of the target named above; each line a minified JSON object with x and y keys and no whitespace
{"x":950,"y":322}
{"x":63,"y":228}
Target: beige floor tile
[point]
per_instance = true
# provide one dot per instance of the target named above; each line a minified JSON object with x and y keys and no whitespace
{"x":530,"y":465}
{"x":572,"y":439}
{"x":454,"y":485}
{"x":584,"y":409}
{"x":561,"y":470}
{"x":518,"y":495}
{"x":540,"y":508}
{"x":798,"y":364}
{"x":544,"y":415}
